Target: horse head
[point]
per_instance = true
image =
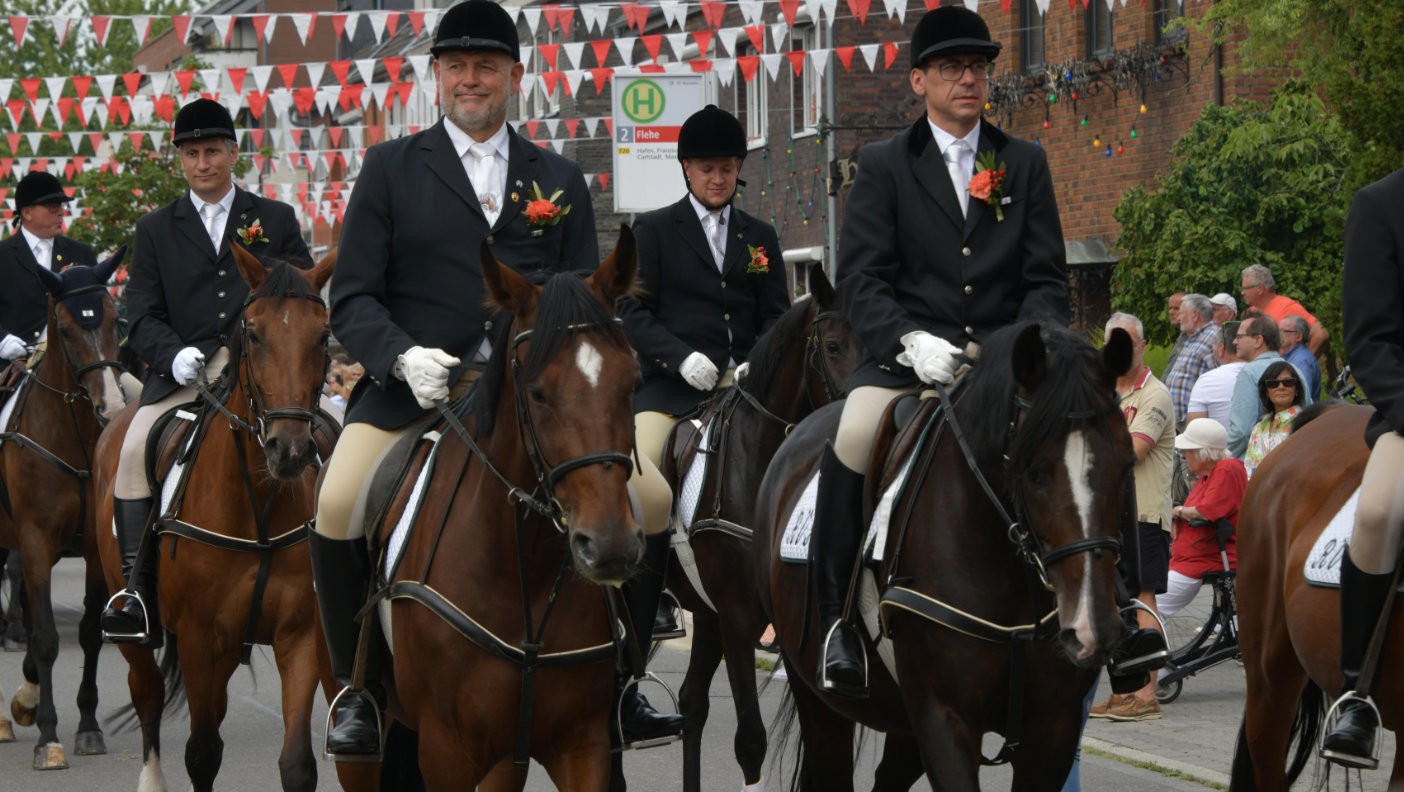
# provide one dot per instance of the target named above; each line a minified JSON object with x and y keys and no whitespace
{"x":1070,"y":461}
{"x":571,"y":382}
{"x":282,"y":356}
{"x":83,"y":324}
{"x":835,"y":350}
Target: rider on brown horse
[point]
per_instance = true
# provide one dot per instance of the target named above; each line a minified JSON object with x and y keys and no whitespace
{"x":183,"y":302}
{"x":407,"y":300}
{"x":926,"y":270}
{"x":1374,"y":338}
{"x":705,"y":301}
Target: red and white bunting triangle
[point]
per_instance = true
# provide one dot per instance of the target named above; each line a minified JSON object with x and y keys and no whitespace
{"x":182,"y":27}
{"x":674,"y":13}
{"x":19,"y":25}
{"x":366,"y":66}
{"x":625,"y":46}
{"x":141,"y":28}
{"x":61,"y":25}
{"x":303,"y":24}
{"x":869,"y":53}
{"x":55,"y":86}
{"x":725,"y":69}
{"x":315,"y":69}
{"x":102,"y":25}
{"x":751,"y":11}
{"x":377,"y":23}
{"x":533,"y":19}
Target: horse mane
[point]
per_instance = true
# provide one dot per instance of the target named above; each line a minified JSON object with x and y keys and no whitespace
{"x":1310,"y":413}
{"x":1068,"y":386}
{"x":775,"y":347}
{"x":566,"y":306}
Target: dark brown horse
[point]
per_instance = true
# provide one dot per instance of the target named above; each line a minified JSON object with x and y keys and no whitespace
{"x":501,"y":633}
{"x":997,"y":588}
{"x":251,"y":486}
{"x":1290,"y":631}
{"x":47,"y":503}
{"x":799,"y":365}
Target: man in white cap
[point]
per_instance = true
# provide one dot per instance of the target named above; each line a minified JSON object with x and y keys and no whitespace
{"x":1225,"y":308}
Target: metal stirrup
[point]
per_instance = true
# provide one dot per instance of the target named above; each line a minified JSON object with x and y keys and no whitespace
{"x":139,"y":637}
{"x":379,"y":729}
{"x":1332,"y":720}
{"x":653,"y":742}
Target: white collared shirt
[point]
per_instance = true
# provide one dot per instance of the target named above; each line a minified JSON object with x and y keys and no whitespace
{"x":704,"y":217}
{"x":226,"y":203}
{"x":499,"y":141}
{"x":944,"y":140}
{"x":43,"y":254}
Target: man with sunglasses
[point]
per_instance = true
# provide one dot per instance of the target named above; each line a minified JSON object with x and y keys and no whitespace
{"x":38,"y":242}
{"x":1257,"y":342}
{"x":934,"y":255}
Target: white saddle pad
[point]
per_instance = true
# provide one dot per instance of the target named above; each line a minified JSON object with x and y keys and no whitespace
{"x":691,"y":491}
{"x":1323,"y":564}
{"x":794,"y":545}
{"x":411,"y":511}
{"x":7,"y":411}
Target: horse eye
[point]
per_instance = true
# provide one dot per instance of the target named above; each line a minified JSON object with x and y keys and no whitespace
{"x":832,"y":347}
{"x":254,"y":339}
{"x":537,"y":395}
{"x":1035,"y":476}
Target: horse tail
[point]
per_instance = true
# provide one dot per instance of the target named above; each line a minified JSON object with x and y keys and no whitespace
{"x":170,"y":671}
{"x":785,"y":738}
{"x":1241,"y":775}
{"x":125,"y":718}
{"x":1306,"y":728}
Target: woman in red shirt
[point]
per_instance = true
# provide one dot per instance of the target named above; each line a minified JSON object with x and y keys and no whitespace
{"x":1218,"y":490}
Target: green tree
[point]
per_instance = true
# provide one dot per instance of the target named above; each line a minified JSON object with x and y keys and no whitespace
{"x":1351,"y":51}
{"x":1247,"y":184}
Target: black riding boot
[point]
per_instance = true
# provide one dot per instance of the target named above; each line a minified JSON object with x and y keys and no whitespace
{"x":341,"y":571}
{"x":128,"y":624}
{"x":638,"y":720}
{"x":834,"y":544}
{"x":1363,"y":596}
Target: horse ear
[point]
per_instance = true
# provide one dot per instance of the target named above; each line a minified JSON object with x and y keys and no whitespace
{"x":1116,"y":353}
{"x":507,"y":289}
{"x":615,"y":277}
{"x":1030,"y":359}
{"x":250,"y":267}
{"x":51,"y":281}
{"x":820,"y":287}
{"x":321,"y":273}
{"x":104,"y":269}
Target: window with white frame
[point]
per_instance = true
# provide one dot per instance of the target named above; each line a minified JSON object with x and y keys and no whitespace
{"x":806,"y":94}
{"x":751,"y":103}
{"x":1031,"y":47}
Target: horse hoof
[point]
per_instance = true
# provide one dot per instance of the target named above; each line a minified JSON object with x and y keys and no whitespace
{"x":89,"y":743}
{"x":7,"y":731}
{"x":23,"y":715}
{"x":50,"y":757}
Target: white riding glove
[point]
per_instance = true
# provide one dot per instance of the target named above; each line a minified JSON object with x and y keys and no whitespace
{"x":932,"y":358}
{"x":740,"y":373}
{"x":699,"y":371}
{"x":426,"y":371}
{"x":187,"y":364}
{"x":11,"y":347}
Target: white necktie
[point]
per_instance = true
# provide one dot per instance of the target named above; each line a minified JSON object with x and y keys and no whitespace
{"x":43,"y":254}
{"x":212,"y":225}
{"x":955,"y":163}
{"x":486,"y":181}
{"x":717,"y":235}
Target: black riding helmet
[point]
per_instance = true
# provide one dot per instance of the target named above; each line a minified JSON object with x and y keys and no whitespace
{"x":711,"y":132}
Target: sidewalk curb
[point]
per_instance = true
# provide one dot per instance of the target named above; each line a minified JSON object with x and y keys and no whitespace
{"x":1132,"y":755}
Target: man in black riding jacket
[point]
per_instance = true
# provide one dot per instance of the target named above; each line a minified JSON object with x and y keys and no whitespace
{"x":184,"y":299}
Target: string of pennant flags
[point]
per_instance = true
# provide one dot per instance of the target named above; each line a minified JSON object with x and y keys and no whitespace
{"x":558,"y":17}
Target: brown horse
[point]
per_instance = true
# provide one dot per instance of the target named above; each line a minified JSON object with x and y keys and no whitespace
{"x":799,"y":365}
{"x":47,"y":498}
{"x":997,"y":587}
{"x":502,"y":633}
{"x":234,"y":569}
{"x":1290,"y":631}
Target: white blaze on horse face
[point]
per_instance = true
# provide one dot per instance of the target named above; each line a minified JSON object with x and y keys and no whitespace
{"x":1078,"y":459}
{"x":590,"y":362}
{"x":286,"y":315}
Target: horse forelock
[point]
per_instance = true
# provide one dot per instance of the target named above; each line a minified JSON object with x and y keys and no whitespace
{"x":1070,"y":386}
{"x":283,"y":280}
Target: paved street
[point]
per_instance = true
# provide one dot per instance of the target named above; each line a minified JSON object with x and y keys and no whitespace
{"x":1195,"y":738}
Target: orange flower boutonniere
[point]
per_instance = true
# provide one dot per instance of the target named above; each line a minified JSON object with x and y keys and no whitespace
{"x":759,"y":263}
{"x":251,"y":233}
{"x":542,"y":211}
{"x":988,"y":183}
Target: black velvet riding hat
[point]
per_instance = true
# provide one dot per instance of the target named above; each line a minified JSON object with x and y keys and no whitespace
{"x":38,"y":188}
{"x":201,"y":119}
{"x":711,"y":132}
{"x":477,"y":25}
{"x":951,"y":30}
